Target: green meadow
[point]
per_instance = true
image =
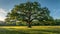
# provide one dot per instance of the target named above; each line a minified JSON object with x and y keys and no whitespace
{"x":33,"y":30}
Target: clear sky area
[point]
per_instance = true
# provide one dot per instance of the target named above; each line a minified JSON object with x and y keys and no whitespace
{"x":52,"y":5}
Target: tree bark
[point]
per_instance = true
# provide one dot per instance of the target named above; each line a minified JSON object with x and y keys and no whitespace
{"x":29,"y":25}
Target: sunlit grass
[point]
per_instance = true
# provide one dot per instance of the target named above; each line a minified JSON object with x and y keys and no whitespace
{"x":33,"y":30}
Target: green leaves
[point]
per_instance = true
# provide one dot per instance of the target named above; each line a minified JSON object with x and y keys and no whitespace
{"x":28,"y":12}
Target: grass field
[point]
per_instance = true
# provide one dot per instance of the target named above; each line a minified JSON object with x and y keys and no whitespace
{"x":33,"y":30}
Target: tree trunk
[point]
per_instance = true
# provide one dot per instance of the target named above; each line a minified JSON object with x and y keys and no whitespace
{"x":29,"y":25}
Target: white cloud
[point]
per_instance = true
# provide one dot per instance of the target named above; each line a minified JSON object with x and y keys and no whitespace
{"x":2,"y":18}
{"x":2,"y":11}
{"x":3,"y":14}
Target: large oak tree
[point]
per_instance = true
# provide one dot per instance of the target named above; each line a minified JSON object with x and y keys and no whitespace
{"x":28,"y":12}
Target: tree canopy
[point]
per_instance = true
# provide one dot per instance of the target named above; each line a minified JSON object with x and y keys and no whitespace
{"x":28,"y":12}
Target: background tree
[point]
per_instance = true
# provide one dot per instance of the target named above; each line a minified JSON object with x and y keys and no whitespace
{"x":28,"y":12}
{"x":57,"y":21}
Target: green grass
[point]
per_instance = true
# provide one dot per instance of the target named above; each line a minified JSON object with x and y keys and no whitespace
{"x":33,"y":30}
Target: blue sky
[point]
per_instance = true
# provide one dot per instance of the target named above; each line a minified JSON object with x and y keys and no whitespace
{"x":53,"y":5}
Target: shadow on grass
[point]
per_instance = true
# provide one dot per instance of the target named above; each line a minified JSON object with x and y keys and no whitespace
{"x":6,"y":31}
{"x":29,"y":31}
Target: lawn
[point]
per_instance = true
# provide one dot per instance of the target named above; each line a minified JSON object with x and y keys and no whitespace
{"x":33,"y":30}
